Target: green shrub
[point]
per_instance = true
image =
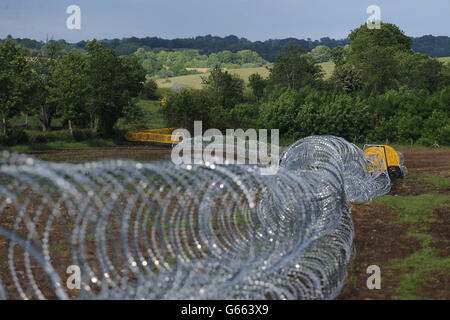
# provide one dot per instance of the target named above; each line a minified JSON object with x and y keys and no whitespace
{"x":149,"y":90}
{"x":187,"y":106}
{"x":84,"y":134}
{"x":49,"y":136}
{"x":245,"y":116}
{"x":436,"y":129}
{"x":14,"y":137}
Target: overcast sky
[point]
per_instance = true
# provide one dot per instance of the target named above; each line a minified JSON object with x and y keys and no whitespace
{"x":252,"y":19}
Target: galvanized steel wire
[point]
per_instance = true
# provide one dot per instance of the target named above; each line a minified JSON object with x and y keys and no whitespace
{"x":161,"y":231}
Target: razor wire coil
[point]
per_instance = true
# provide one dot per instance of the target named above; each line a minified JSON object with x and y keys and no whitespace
{"x":164,"y":231}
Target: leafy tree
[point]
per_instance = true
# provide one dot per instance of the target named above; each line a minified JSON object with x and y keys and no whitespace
{"x":42,"y":73}
{"x":115,"y":82}
{"x":149,"y":89}
{"x":348,"y":77}
{"x":174,"y":63}
{"x":435,"y":46}
{"x":338,"y":56}
{"x":388,"y":36}
{"x":14,"y":81}
{"x":248,"y":57}
{"x":245,"y":116}
{"x":294,"y":68}
{"x":436,"y":129}
{"x":226,"y":89}
{"x":408,"y":126}
{"x":134,"y":116}
{"x":51,"y":49}
{"x":419,"y":71}
{"x":151,"y":63}
{"x":373,"y":54}
{"x":186,"y":106}
{"x":257,"y":83}
{"x":134,"y":76}
{"x":225,"y":56}
{"x":281,"y":112}
{"x":71,"y":90}
{"x":321,"y":53}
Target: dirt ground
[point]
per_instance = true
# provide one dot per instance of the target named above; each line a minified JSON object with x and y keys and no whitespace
{"x":140,"y":153}
{"x":378,"y":239}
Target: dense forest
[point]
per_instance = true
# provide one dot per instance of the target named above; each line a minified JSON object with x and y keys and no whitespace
{"x":434,"y":46}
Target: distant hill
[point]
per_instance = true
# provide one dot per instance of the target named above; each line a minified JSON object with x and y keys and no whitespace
{"x":435,"y":46}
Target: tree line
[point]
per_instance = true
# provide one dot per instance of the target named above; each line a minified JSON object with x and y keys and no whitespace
{"x":162,"y":64}
{"x":90,"y":90}
{"x":381,"y":90}
{"x":434,"y":46}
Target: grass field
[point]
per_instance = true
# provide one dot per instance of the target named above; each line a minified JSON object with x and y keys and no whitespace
{"x":328,"y":68}
{"x":194,"y":81}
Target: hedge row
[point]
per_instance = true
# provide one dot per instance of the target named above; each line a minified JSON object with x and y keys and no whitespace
{"x":17,"y":136}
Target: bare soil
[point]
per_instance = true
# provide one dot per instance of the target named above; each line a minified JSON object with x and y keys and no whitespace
{"x":140,"y":153}
{"x":378,"y":241}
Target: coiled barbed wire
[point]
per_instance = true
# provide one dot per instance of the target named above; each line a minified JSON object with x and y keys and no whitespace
{"x":162,"y":231}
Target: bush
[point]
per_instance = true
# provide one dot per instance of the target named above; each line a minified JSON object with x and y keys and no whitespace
{"x":281,"y":113}
{"x":149,"y":90}
{"x":348,"y":77}
{"x":321,"y":53}
{"x":245,"y":116}
{"x":84,"y":134}
{"x":37,"y":138}
{"x":436,"y":129}
{"x":49,"y":136}
{"x":14,"y":137}
{"x":186,"y":106}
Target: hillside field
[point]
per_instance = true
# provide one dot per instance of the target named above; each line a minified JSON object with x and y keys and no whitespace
{"x":194,"y":81}
{"x":445,"y":59}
